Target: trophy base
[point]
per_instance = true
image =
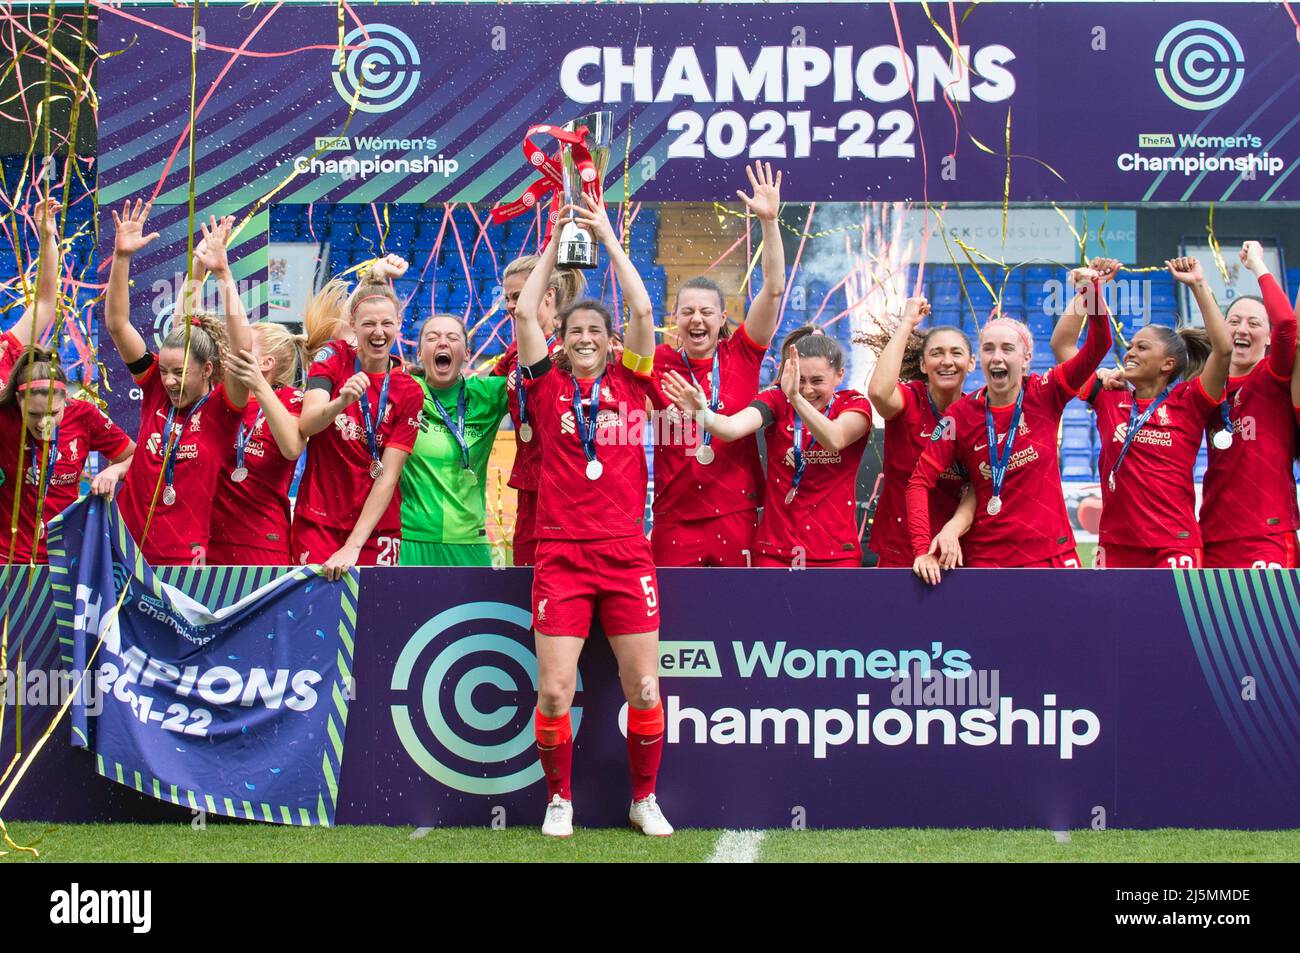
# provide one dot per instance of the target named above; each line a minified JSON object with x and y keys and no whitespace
{"x":577,"y":250}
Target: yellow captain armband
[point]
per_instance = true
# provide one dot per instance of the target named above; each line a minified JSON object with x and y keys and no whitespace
{"x":638,"y":364}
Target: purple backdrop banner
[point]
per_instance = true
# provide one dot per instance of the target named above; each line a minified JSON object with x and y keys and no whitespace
{"x":1092,"y":102}
{"x":1053,"y":699}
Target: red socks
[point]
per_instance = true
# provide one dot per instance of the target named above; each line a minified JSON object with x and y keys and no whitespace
{"x":645,"y":747}
{"x":555,"y":750}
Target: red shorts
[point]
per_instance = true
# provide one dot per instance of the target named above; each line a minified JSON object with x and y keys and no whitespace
{"x":615,"y":577}
{"x":314,"y":543}
{"x":722,"y":541}
{"x":764,"y":561}
{"x":886,"y":562}
{"x":1068,"y":560}
{"x":1112,"y":556}
{"x":239,"y":554}
{"x":1252,"y":552}
{"x":525,"y":542}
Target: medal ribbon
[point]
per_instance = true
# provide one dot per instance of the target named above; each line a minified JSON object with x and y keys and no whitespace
{"x":1225,"y":411}
{"x":587,"y":426}
{"x":169,"y":454}
{"x":372,"y":438}
{"x":800,"y":463}
{"x":715,"y":378}
{"x":1136,"y":422}
{"x":458,"y":428}
{"x":49,"y":465}
{"x":998,"y":462}
{"x":244,"y":435}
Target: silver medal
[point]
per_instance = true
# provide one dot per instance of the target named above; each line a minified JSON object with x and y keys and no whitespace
{"x":789,"y":497}
{"x":704,"y":454}
{"x":1222,"y":440}
{"x":594,"y":469}
{"x":526,"y":433}
{"x":995,"y":506}
{"x":169,"y":495}
{"x":239,"y":474}
{"x":469,"y":477}
{"x":1111,"y":482}
{"x":376,"y":469}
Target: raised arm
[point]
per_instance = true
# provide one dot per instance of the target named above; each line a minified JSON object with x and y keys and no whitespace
{"x":689,"y":399}
{"x":882,"y":389}
{"x":1214,"y":375}
{"x":31,"y":327}
{"x":844,"y":431}
{"x":765,"y":309}
{"x":528,"y":330}
{"x":212,"y":253}
{"x":130,"y":237}
{"x":1076,"y":371}
{"x":639,"y":334}
{"x":1065,"y":336}
{"x":1281,"y":316}
{"x":283,"y":425}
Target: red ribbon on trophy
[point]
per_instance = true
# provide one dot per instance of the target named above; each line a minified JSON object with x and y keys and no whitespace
{"x":551,"y":181}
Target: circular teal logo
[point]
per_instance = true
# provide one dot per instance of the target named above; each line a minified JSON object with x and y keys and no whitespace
{"x":1200,"y":65}
{"x":475,"y":653}
{"x":380,"y":68}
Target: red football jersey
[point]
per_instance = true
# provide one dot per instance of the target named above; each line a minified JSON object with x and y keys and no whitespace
{"x":205,"y":438}
{"x":570,"y":506}
{"x":83,"y":429}
{"x":685,"y":489}
{"x":255,"y":511}
{"x":1153,"y":504}
{"x":528,"y":454}
{"x":821,"y":521}
{"x":1031,"y":526}
{"x":336,"y":480}
{"x":1249,"y":489}
{"x":906,"y":437}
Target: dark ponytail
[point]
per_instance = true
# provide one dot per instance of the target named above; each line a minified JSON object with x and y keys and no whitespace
{"x":1189,"y":347}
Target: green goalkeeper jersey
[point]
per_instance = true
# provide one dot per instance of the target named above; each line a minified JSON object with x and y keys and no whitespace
{"x":440,"y":502}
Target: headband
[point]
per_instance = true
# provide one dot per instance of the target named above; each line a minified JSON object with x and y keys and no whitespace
{"x":359,"y":301}
{"x":50,"y":384}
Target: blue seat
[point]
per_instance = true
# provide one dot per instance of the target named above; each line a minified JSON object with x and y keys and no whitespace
{"x":946,"y":318}
{"x":1075,"y":437}
{"x":1166,"y":319}
{"x":1041,"y":324}
{"x":1077,"y":466}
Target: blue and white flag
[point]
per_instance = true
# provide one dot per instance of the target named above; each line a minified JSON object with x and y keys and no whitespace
{"x":238,"y":709}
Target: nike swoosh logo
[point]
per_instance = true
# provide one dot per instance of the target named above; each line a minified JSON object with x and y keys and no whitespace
{"x":551,"y":748}
{"x":653,"y":741}
{"x":981,"y":446}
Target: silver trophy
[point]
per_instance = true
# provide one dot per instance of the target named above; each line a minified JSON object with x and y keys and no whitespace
{"x":578,"y":248}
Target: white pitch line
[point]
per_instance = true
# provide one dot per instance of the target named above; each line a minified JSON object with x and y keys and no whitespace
{"x":737,"y":847}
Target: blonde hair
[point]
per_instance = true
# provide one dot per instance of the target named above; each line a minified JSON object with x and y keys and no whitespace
{"x":373,"y":289}
{"x":286,"y":349}
{"x":326,"y":310}
{"x":570,"y":284}
{"x":1021,"y":329}
{"x":207,"y":340}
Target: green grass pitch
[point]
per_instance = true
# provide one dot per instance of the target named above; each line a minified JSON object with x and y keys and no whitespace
{"x":229,"y":842}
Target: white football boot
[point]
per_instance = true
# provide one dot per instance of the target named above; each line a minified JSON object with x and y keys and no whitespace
{"x":645,"y":814}
{"x":559,"y":818}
